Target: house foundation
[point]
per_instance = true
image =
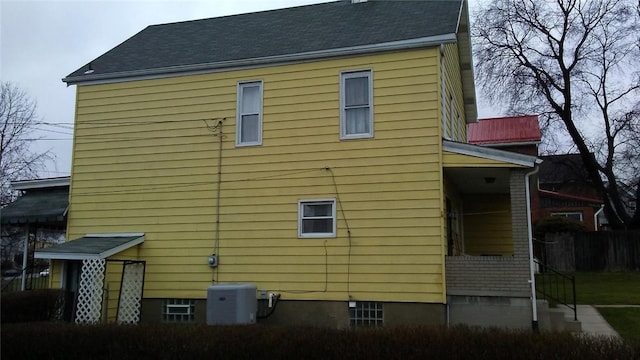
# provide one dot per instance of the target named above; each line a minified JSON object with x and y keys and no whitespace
{"x":502,"y":312}
{"x":333,"y":314}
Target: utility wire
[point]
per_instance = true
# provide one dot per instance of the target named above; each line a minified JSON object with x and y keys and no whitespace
{"x":53,"y":131}
{"x":335,"y":186}
{"x":146,"y":188}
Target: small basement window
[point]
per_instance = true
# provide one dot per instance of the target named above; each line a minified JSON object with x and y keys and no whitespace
{"x":179,"y":310}
{"x":366,"y":313}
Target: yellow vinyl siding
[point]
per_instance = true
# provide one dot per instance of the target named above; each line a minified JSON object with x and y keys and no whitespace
{"x":145,"y":161}
{"x":453,"y":160}
{"x":487,"y":220}
{"x":455,"y":127}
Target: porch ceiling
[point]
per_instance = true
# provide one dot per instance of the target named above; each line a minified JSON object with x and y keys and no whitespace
{"x":479,"y":180}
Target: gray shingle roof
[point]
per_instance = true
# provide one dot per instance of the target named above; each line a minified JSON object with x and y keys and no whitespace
{"x":303,"y":29}
{"x":38,"y":206}
{"x":96,"y":246}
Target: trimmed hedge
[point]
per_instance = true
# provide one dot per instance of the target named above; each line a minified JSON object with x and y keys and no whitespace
{"x":33,"y":305}
{"x":557,"y":224}
{"x":68,"y":341}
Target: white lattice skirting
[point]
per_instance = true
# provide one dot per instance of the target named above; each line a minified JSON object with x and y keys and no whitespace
{"x":89,"y":306}
{"x":131,"y":293}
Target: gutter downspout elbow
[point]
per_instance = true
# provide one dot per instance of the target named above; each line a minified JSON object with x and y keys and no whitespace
{"x":532,"y":280}
{"x":595,"y":217}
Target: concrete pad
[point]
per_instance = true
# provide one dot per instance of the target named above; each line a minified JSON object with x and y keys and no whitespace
{"x":592,"y":322}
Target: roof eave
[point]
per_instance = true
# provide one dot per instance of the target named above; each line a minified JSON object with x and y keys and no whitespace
{"x":463,"y":37}
{"x":256,"y":62}
{"x":490,"y":153}
{"x":507,"y":143}
{"x":40,"y":183}
{"x":139,"y":239}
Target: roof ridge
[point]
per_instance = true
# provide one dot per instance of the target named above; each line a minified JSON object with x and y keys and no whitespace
{"x":241,"y":14}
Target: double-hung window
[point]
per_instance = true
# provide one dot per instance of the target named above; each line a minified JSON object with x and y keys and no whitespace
{"x":249,"y":117}
{"x":317,"y":218}
{"x":356,"y":105}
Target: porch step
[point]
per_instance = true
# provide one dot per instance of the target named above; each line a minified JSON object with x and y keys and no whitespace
{"x":556,"y":319}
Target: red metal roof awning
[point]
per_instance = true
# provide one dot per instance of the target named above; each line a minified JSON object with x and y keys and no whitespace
{"x":505,"y":130}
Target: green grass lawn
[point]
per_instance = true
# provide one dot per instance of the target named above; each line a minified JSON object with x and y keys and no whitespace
{"x":608,"y":288}
{"x":626,"y":321}
{"x":613,"y":288}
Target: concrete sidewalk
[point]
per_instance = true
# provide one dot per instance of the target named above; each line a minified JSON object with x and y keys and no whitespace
{"x":592,"y":322}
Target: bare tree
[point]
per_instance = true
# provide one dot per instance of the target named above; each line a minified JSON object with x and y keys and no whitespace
{"x":575,"y":62}
{"x":17,"y":123}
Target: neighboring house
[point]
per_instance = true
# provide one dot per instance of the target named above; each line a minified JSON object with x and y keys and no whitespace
{"x":300,"y":150}
{"x":565,"y":190}
{"x":563,"y":185}
{"x":628,"y":196}
{"x":520,"y":134}
{"x":40,"y":214}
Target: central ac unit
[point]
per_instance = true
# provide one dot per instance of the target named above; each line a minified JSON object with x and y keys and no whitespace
{"x":231,"y":304}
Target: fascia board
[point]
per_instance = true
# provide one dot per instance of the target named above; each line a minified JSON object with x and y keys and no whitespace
{"x":102,"y":255}
{"x":114,"y":234}
{"x":64,"y":256}
{"x":39,"y":183}
{"x":508,"y":144}
{"x":243,"y":64}
{"x":489,"y":153}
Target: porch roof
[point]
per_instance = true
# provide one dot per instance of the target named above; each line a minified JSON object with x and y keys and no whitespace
{"x":38,"y":206}
{"x":91,"y":246}
{"x":458,"y":154}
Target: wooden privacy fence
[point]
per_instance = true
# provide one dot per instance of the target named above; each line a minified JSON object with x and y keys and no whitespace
{"x":591,"y":251}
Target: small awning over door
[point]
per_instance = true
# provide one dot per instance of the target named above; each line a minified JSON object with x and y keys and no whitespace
{"x":91,"y":246}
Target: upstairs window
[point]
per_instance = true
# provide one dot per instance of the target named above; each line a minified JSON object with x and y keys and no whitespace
{"x":317,"y":218}
{"x":356,"y":98}
{"x":249,"y":117}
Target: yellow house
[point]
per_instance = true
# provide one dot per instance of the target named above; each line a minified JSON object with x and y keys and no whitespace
{"x":317,"y":153}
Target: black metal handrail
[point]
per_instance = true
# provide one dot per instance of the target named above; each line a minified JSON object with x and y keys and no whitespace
{"x":552,"y":285}
{"x":10,"y":284}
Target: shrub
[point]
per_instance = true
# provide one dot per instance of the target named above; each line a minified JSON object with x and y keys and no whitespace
{"x":557,"y":224}
{"x":33,"y":305}
{"x":162,"y":341}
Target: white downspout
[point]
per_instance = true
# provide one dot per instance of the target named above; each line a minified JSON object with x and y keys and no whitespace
{"x":595,"y":217}
{"x":532,"y":280}
{"x":25,"y":258}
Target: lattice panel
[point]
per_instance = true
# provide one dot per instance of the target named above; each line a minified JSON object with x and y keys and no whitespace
{"x":89,"y":306}
{"x":131,"y":293}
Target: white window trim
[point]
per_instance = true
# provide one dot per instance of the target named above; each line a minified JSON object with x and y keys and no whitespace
{"x":239,"y":114}
{"x":567,"y":213}
{"x":300,"y":218}
{"x":343,"y":128}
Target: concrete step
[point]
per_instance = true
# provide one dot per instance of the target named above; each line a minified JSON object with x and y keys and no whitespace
{"x":556,"y":319}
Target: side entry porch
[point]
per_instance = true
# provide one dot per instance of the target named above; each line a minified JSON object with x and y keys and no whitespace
{"x":86,"y":269}
{"x":489,"y":264}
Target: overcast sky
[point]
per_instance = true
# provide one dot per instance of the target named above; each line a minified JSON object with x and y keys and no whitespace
{"x":43,"y":41}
